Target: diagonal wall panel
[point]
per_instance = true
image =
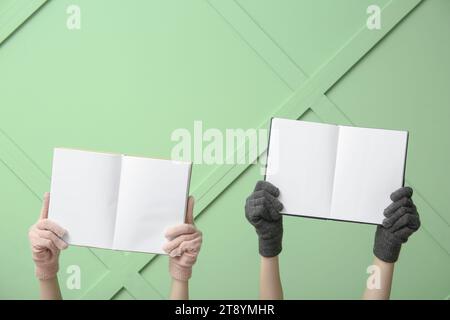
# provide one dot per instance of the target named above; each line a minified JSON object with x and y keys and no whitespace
{"x":14,"y":13}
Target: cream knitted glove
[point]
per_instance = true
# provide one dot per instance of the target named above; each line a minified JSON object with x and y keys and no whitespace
{"x":46,"y":243}
{"x":183,"y":247}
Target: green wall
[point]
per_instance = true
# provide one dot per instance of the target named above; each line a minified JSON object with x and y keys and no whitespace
{"x":137,"y":70}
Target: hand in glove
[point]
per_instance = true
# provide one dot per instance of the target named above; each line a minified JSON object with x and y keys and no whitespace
{"x":183,"y":246}
{"x":262,"y":210}
{"x":46,"y":243}
{"x":401,"y":221}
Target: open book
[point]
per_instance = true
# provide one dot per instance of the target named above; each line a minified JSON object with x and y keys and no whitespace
{"x":335,"y":172}
{"x":115,"y":201}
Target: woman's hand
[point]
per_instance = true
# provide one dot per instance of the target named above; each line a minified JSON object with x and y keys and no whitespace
{"x":46,"y":243}
{"x":183,"y":246}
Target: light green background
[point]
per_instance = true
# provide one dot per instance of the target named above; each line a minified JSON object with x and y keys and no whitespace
{"x":137,"y":70}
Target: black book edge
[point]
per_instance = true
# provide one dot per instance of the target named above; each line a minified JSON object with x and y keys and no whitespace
{"x":267,"y":151}
{"x":187,"y":191}
{"x":406,"y":155}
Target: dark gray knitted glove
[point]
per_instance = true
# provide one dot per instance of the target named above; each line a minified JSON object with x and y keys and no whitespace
{"x":262,"y":210}
{"x":401,"y":221}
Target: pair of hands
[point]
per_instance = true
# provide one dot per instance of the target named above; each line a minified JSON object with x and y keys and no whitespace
{"x":262,"y":210}
{"x":183,"y":246}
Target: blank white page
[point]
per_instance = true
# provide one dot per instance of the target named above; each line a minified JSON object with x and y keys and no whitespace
{"x":83,"y":195}
{"x":152,"y":197}
{"x":369,"y":167}
{"x":301,"y":161}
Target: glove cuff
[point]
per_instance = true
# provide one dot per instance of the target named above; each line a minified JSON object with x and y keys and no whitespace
{"x":46,"y":273}
{"x":386,"y":248}
{"x":270,"y":247}
{"x":178,"y":272}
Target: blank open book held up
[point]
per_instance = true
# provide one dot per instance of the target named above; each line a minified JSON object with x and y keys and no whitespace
{"x":335,"y":172}
{"x":116,"y":201}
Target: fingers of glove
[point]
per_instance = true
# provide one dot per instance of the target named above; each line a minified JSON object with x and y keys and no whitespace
{"x":169,"y":246}
{"x":274,"y":202}
{"x":404,"y":192}
{"x":174,"y":253}
{"x":47,"y":224}
{"x":261,"y":197}
{"x":404,"y":233}
{"x":255,"y":202}
{"x":274,"y":213}
{"x":389,"y":221}
{"x":407,"y":220}
{"x":192,"y":246}
{"x":257,"y":195}
{"x":264,"y":212}
{"x":58,"y":242}
{"x":254,"y":214}
{"x":176,"y":231}
{"x":267,"y":186}
{"x":392,"y":208}
{"x":39,"y":244}
{"x":415,"y":221}
{"x":42,"y":255}
{"x":186,"y":260}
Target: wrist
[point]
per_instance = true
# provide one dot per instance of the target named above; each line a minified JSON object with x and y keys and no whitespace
{"x":179,"y":282}
{"x":47,"y":272}
{"x":383,"y":264}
